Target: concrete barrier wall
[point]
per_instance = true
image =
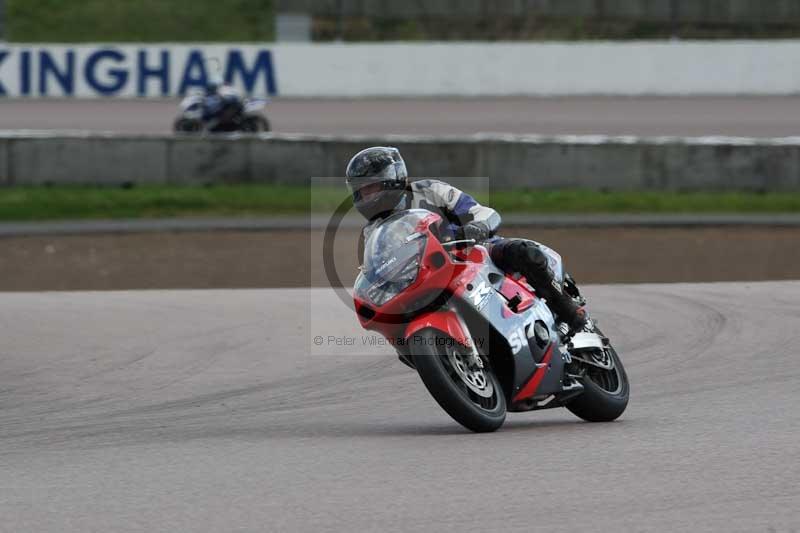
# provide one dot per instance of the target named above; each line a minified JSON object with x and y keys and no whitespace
{"x":498,"y":161}
{"x":405,"y":69}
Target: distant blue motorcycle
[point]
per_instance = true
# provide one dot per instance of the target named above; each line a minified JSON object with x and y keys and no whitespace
{"x":220,"y":109}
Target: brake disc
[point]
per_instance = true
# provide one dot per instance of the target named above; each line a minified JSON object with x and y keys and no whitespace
{"x":473,"y":377}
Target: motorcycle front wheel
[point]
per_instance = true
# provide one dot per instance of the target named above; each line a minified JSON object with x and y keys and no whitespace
{"x":255,"y":124}
{"x":471,"y":395}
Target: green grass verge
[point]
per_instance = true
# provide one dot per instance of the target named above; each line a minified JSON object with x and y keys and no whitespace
{"x":78,"y":21}
{"x":79,"y":202}
{"x":74,"y":21}
{"x":537,"y":27}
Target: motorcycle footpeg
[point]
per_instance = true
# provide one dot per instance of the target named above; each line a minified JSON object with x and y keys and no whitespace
{"x":572,"y":385}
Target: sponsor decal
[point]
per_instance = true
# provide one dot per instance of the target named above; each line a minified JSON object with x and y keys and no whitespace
{"x":386,"y":265}
{"x":128,"y":70}
{"x":480,"y":295}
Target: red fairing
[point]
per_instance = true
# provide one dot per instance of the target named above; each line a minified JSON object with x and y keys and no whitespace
{"x":475,"y":254}
{"x":511,"y":288}
{"x":395,"y":327}
{"x":429,"y":220}
{"x":444,"y":320}
{"x":438,"y":273}
{"x":529,"y":389}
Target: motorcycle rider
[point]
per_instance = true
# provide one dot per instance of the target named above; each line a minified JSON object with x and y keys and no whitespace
{"x":378,"y":180}
{"x":219,"y":96}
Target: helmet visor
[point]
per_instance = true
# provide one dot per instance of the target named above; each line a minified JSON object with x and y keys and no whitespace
{"x":388,"y":174}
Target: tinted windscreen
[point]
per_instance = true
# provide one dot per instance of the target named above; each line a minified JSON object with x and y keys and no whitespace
{"x":391,"y":256}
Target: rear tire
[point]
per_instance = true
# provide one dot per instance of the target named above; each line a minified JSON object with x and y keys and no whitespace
{"x":597,"y":403}
{"x":187,"y":125}
{"x":433,"y":363}
{"x":255,"y":124}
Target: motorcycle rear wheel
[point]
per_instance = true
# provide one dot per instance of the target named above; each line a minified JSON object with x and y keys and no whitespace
{"x":472,"y":397}
{"x":187,"y":125}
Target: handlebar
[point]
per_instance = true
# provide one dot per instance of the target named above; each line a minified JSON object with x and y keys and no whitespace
{"x":463,"y":243}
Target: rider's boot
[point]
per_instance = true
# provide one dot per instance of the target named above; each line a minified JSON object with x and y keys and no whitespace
{"x":563,"y":306}
{"x":518,"y":255}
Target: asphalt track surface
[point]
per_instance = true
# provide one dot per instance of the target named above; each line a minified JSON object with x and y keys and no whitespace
{"x":684,"y":116}
{"x":213,"y":411}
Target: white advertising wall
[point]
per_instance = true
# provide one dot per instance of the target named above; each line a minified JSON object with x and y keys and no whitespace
{"x":404,"y":69}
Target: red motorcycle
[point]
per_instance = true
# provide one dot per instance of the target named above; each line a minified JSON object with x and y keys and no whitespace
{"x":480,"y":339}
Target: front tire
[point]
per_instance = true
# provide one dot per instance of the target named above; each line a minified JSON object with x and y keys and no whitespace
{"x":255,"y":124}
{"x":605,"y":394}
{"x":472,"y":397}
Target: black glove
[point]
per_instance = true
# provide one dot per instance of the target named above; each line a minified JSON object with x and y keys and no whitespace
{"x":473,"y":230}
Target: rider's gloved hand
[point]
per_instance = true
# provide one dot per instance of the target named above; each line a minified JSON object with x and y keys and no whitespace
{"x":473,"y":230}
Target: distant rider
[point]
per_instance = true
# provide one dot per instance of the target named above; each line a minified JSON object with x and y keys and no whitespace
{"x":378,"y":180}
{"x":218,"y":94}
